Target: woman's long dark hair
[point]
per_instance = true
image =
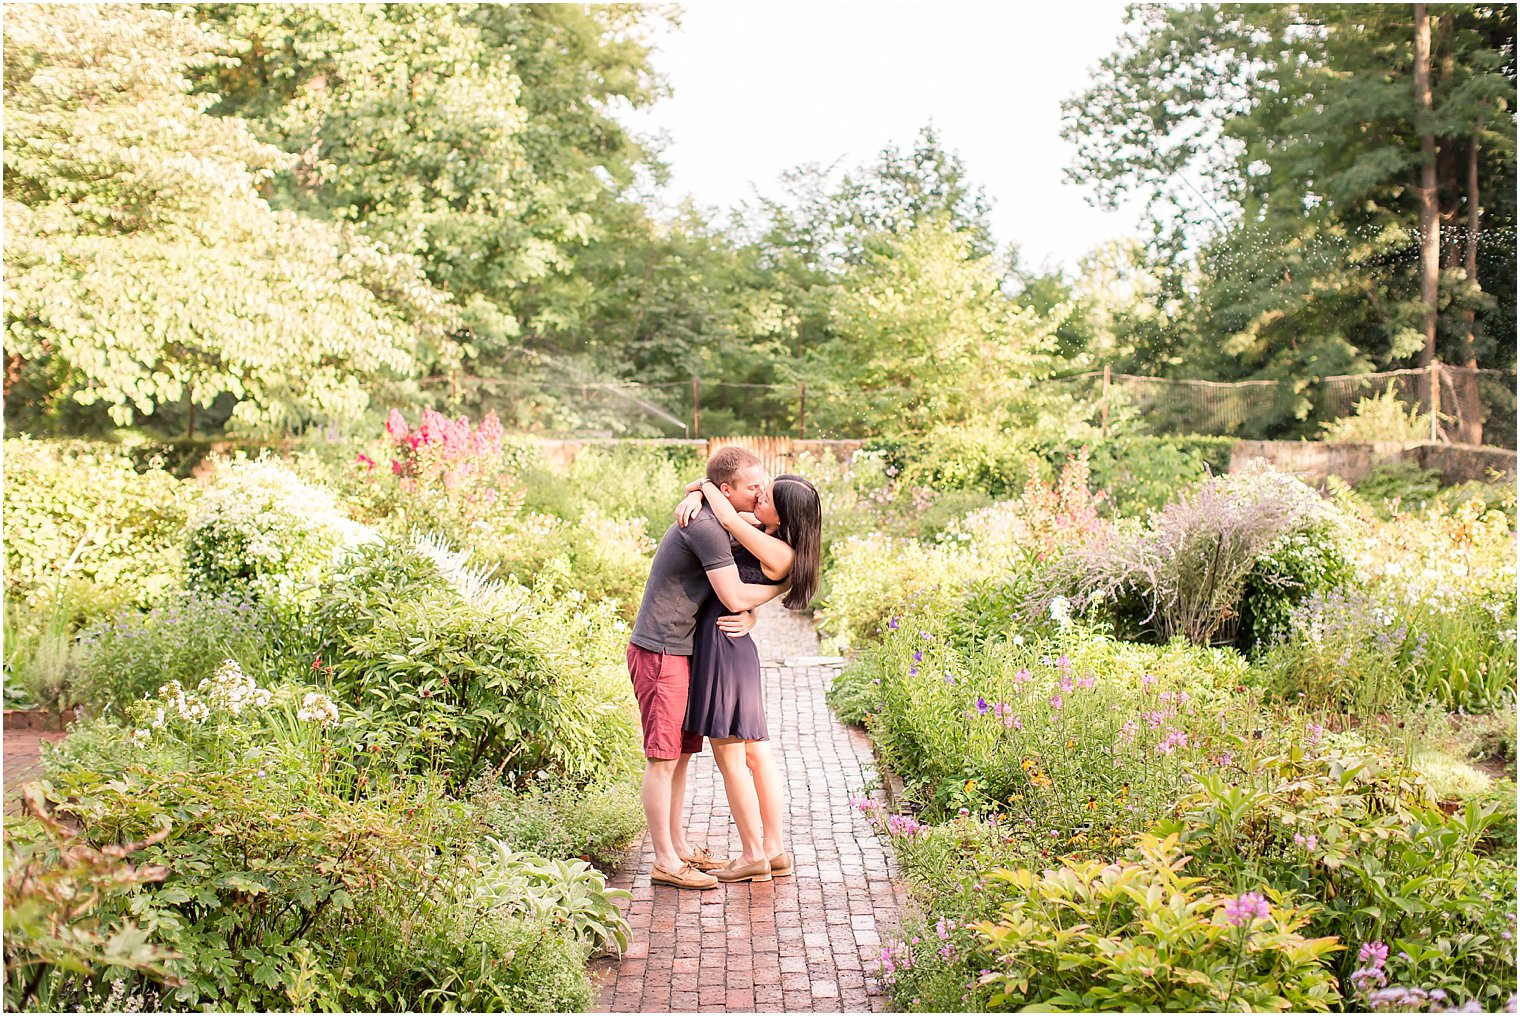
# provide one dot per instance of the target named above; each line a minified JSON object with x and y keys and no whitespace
{"x":801,"y":515}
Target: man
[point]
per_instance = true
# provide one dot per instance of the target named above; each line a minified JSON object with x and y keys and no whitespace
{"x":690,"y":564}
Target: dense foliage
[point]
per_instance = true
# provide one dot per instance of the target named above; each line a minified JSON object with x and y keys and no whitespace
{"x":1091,"y":822}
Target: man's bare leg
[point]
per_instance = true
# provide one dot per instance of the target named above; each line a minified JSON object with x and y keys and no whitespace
{"x":659,"y":775}
{"x":677,"y":822}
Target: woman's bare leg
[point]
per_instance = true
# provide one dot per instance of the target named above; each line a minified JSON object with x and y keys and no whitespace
{"x":770,"y":791}
{"x":739,"y":785}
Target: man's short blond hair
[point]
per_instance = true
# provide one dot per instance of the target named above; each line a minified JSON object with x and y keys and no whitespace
{"x":726,"y":462}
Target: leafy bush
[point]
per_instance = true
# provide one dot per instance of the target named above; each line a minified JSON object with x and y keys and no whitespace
{"x":183,"y":638}
{"x":1080,"y":738}
{"x":1401,"y":482}
{"x":1139,"y":472}
{"x":871,"y":578}
{"x":54,"y":888}
{"x":1356,"y":832}
{"x":82,"y":524}
{"x":595,"y":822}
{"x":474,"y":677}
{"x":262,"y":531}
{"x":1142,"y":935}
{"x":300,"y":876}
{"x":618,"y":482}
{"x":592,"y":557}
{"x":1383,"y":417}
{"x":980,"y":455}
{"x":1188,"y":570}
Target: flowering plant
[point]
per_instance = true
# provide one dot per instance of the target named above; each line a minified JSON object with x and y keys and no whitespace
{"x":446,"y":467}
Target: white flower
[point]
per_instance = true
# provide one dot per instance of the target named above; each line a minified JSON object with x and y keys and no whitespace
{"x":319,"y":709}
{"x":1018,"y":640}
{"x":140,"y":737}
{"x":1060,"y":610}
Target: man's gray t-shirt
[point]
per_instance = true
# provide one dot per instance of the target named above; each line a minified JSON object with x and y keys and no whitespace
{"x":678,"y":584}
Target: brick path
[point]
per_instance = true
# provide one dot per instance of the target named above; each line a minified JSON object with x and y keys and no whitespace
{"x":23,"y":761}
{"x":806,"y":943}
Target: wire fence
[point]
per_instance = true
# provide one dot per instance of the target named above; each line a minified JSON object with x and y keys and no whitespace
{"x":1472,"y":405}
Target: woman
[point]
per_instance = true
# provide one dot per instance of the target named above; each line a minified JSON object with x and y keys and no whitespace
{"x":778,"y":545}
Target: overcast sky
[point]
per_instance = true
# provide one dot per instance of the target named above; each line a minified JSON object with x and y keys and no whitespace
{"x":762,"y":87}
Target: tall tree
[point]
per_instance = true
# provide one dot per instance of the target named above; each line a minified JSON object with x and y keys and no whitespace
{"x":1296,"y":179}
{"x":477,"y":136}
{"x":143,"y":269}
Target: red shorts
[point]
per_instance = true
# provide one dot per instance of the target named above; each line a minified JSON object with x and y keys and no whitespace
{"x":661,"y":683}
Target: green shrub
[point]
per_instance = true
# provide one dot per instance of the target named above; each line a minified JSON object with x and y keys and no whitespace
{"x":976,"y":456}
{"x":475,"y":676}
{"x":1383,"y":417}
{"x":590,"y":557}
{"x":1402,"y":481}
{"x":1356,"y":832}
{"x":183,"y":638}
{"x":1188,"y":570}
{"x":1141,"y":471}
{"x":596,"y":821}
{"x":262,"y":531}
{"x":1306,"y":561}
{"x":1091,"y":937}
{"x":82,"y":524}
{"x":304,"y":872}
{"x":1079,"y":737}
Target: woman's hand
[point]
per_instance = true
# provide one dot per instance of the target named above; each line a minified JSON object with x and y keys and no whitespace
{"x":688,"y":508}
{"x":737,"y":625}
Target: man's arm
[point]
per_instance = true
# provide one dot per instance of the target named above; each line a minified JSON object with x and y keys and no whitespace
{"x":737,"y":594}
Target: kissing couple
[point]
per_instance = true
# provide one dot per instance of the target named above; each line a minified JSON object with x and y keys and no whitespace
{"x":739,"y":541}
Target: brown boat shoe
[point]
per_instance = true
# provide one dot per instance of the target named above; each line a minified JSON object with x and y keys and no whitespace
{"x":702,"y":859}
{"x":781,"y":865}
{"x":760,"y":871}
{"x":687,"y":878}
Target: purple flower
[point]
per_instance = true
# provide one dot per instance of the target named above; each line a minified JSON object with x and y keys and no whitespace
{"x":912,"y":671}
{"x":892,"y":623}
{"x":1245,"y":908}
{"x":918,"y":656}
{"x":982,"y":707}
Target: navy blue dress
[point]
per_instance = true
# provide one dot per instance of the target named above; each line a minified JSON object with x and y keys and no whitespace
{"x":726,"y":698}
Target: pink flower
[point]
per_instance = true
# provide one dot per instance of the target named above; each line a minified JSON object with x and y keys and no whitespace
{"x":395,"y":425}
{"x":365,"y":461}
{"x":396,"y":466}
{"x":1245,"y":908}
{"x":1147,"y":680}
{"x":1056,"y":702}
{"x":1174,"y":739}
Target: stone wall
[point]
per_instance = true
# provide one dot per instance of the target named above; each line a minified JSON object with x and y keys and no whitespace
{"x":1353,"y":462}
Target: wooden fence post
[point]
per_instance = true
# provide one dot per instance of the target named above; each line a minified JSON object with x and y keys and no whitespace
{"x":801,"y":410}
{"x":1107,"y":377}
{"x":1435,"y":397}
{"x":696,"y":407}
